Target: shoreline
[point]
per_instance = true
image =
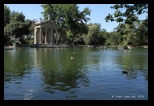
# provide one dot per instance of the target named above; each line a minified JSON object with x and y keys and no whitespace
{"x":44,"y":46}
{"x":68,"y":46}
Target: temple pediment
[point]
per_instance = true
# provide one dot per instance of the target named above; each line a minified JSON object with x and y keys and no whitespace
{"x":43,"y":32}
{"x":48,"y":24}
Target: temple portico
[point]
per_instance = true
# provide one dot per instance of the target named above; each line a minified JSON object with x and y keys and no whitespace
{"x":43,"y":32}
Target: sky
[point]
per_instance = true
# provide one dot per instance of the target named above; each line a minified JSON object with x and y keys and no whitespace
{"x":98,"y":13}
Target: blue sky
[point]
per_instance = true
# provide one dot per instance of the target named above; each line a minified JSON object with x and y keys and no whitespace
{"x":98,"y":13}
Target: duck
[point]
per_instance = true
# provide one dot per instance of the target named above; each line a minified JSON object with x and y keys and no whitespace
{"x":125,"y":71}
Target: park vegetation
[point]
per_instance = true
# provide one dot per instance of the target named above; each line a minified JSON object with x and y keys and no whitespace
{"x":74,"y":28}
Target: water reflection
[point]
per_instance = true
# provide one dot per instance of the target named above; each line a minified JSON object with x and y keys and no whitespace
{"x":35,"y":73}
{"x":17,"y":64}
{"x":59,"y":71}
{"x":135,"y":62}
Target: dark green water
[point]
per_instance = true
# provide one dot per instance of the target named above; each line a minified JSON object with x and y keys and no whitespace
{"x":51,"y":74}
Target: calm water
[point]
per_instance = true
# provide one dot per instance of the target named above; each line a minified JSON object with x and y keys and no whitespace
{"x":92,"y":74}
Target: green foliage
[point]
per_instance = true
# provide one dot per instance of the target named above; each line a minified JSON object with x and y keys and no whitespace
{"x":101,"y":38}
{"x":30,"y":28}
{"x":134,"y":34}
{"x":26,"y":41}
{"x":79,"y":39}
{"x":130,"y":28}
{"x":143,"y":28}
{"x":6,"y":15}
{"x":8,"y":40}
{"x":69,"y":35}
{"x":16,"y":16}
{"x":141,"y":35}
{"x":72,"y":23}
{"x":92,"y":37}
{"x":17,"y":27}
{"x":73,"y":28}
{"x":126,"y":12}
{"x":115,"y":38}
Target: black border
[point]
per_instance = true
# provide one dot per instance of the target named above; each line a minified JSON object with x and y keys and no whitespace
{"x":79,"y":102}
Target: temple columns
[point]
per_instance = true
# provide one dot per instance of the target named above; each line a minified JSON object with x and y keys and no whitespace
{"x":40,"y":35}
{"x":51,"y":34}
{"x":35,"y":32}
{"x":46,"y":35}
{"x":56,"y":37}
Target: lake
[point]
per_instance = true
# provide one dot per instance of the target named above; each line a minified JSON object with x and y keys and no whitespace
{"x":77,"y":73}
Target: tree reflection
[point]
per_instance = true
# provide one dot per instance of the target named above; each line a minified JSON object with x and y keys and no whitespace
{"x":59,"y":71}
{"x":135,"y":62}
{"x":16,"y":63}
{"x":65,"y":81}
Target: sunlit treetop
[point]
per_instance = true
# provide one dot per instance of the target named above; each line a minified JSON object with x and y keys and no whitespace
{"x":127,"y":13}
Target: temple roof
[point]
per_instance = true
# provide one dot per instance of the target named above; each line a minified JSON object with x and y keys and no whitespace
{"x":48,"y":23}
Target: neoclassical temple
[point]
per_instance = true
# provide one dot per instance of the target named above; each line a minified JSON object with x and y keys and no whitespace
{"x":43,"y":32}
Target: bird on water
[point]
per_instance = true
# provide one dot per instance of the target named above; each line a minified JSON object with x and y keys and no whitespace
{"x":125,"y":71}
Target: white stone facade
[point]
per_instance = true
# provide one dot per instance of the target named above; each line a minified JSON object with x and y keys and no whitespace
{"x":43,"y":32}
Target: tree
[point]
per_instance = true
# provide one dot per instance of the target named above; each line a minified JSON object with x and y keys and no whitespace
{"x":92,"y":37}
{"x":141,"y":37}
{"x":71,"y":22}
{"x":135,"y":34}
{"x":17,"y":27}
{"x":128,"y":16}
{"x":6,"y":15}
{"x":143,"y":28}
{"x":7,"y":39}
{"x":115,"y":38}
{"x":30,"y":27}
{"x":101,"y":38}
{"x":16,"y":16}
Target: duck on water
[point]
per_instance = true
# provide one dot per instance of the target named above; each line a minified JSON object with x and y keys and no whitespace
{"x":125,"y":71}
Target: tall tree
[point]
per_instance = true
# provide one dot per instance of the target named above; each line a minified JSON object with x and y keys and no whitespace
{"x":92,"y":36}
{"x":29,"y":24}
{"x":16,"y":16}
{"x":126,"y":12}
{"x":7,"y":39}
{"x":17,"y":27}
{"x":68,"y":17}
{"x":6,"y":15}
{"x":127,"y":16}
{"x":141,"y":37}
